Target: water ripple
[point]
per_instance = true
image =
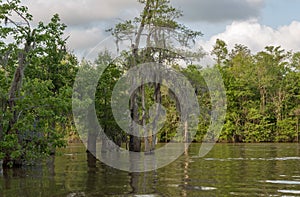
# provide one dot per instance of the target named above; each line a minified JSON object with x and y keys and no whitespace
{"x":253,"y":159}
{"x":283,"y":182}
{"x":289,"y":191}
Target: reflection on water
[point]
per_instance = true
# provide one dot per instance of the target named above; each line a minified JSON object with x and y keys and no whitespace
{"x":228,"y":170}
{"x":289,"y":191}
{"x":284,"y":182}
{"x":253,"y":159}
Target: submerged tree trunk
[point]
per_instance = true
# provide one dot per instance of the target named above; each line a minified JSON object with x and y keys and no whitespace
{"x":186,"y":136}
{"x":91,"y":160}
{"x":135,"y":142}
{"x":92,"y":133}
{"x":91,"y":143}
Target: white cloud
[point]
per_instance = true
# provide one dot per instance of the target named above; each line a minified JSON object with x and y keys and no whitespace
{"x":87,"y":20}
{"x":84,"y":38}
{"x":255,"y":2}
{"x":81,"y":12}
{"x":256,"y":37}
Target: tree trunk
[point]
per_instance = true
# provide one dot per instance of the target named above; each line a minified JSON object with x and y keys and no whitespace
{"x":144,"y":116}
{"x":186,"y":137}
{"x":104,"y":140}
{"x":14,"y":90}
{"x":157,"y":99}
{"x":297,"y":129}
{"x":134,"y":144}
{"x":91,"y":144}
{"x":262,"y":99}
{"x":1,"y":167}
{"x":134,"y":141}
{"x":1,"y":132}
{"x":16,"y":84}
{"x":91,"y":160}
{"x":92,"y":133}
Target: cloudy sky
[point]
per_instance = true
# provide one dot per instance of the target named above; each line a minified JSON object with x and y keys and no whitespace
{"x":254,"y":23}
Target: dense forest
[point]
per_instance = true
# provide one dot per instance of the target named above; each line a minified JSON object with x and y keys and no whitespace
{"x":37,"y":74}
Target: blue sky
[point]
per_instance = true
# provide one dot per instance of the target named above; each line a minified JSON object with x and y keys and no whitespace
{"x":274,"y":13}
{"x":280,"y":12}
{"x":254,"y":23}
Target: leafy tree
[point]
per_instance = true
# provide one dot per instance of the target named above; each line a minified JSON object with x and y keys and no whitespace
{"x":105,"y":87}
{"x":220,"y":51}
{"x":153,"y":37}
{"x":36,"y":79}
{"x":262,"y":94}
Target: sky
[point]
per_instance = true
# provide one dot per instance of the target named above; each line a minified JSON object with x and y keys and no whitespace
{"x":254,"y":23}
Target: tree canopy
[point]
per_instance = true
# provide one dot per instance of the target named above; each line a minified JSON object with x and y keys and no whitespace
{"x":36,"y":84}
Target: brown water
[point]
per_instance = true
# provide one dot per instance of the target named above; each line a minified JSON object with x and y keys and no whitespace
{"x":228,"y":170}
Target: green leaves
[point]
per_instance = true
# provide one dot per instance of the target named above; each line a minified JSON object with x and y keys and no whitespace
{"x":262,"y":93}
{"x":9,"y":143}
{"x":37,"y":75}
{"x":220,"y":51}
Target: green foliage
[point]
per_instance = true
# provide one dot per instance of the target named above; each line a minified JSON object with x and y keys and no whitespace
{"x":107,"y":81}
{"x":10,"y":144}
{"x":220,"y":51}
{"x":262,"y":93}
{"x":36,"y":78}
{"x":286,"y":131}
{"x":262,"y":89}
